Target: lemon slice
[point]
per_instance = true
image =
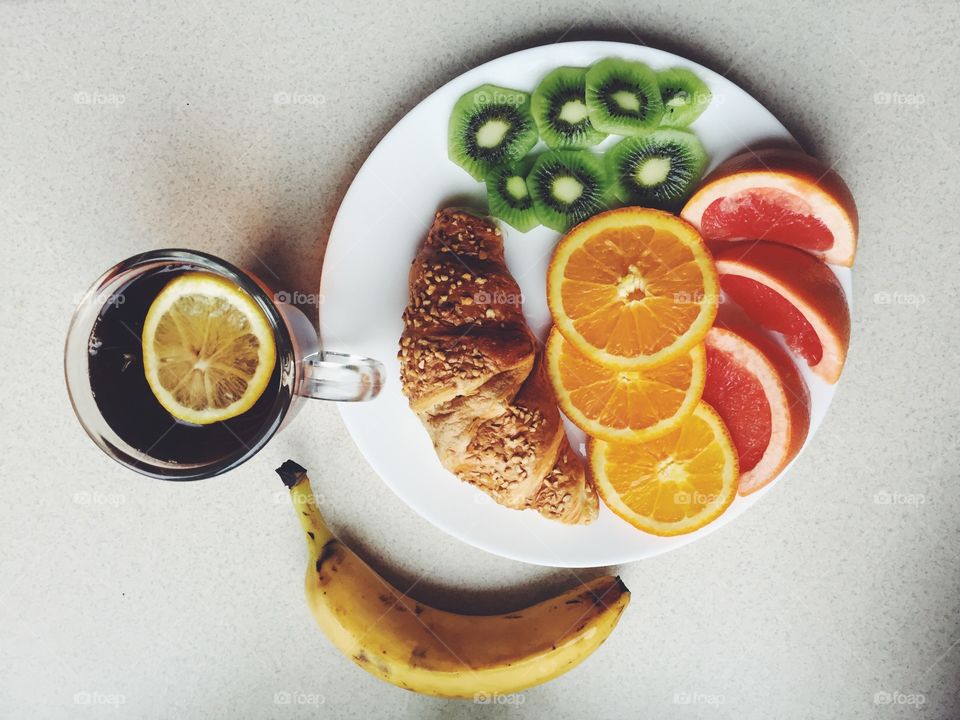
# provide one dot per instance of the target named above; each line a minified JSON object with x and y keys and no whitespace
{"x":208,"y":349}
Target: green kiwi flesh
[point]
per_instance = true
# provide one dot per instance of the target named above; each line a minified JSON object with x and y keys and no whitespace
{"x":623,"y":97}
{"x":684,"y":96}
{"x":567,"y":187}
{"x":490,"y":126}
{"x":659,"y":170}
{"x":559,"y":107}
{"x":509,"y":199}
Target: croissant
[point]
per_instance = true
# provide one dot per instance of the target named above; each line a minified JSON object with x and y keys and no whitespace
{"x":474,"y":374}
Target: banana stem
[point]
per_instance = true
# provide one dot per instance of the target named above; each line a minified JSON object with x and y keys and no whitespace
{"x":294,"y":476}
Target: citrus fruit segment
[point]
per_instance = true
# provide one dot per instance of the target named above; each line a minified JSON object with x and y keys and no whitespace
{"x":208,"y":349}
{"x":624,"y":405}
{"x":761,"y":398}
{"x":778,"y":195}
{"x":632,"y":288}
{"x":674,"y":484}
{"x":788,"y":291}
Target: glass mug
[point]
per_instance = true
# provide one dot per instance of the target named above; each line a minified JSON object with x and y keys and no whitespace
{"x":115,"y":405}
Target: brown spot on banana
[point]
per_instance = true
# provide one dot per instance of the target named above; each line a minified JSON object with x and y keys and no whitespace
{"x":332,"y":550}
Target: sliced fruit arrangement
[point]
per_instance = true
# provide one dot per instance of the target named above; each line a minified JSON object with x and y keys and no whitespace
{"x":492,"y":128}
{"x":509,"y":199}
{"x":414,"y":646}
{"x":623,"y":97}
{"x":208,"y":349}
{"x":757,"y":390}
{"x":489,"y":127}
{"x":567,"y":187}
{"x":779,"y":195}
{"x":684,"y":96}
{"x":632,"y":288}
{"x":682,"y":407}
{"x":632,"y":293}
{"x":560,"y":109}
{"x":674,"y":484}
{"x":788,"y":291}
{"x":658,"y":170}
{"x":624,"y":405}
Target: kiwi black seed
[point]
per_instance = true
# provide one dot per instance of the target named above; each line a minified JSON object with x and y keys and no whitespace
{"x":623,"y":97}
{"x":684,"y":96}
{"x":659,"y":170}
{"x":568,"y":186}
{"x":490,"y":126}
{"x":509,"y":199}
{"x":559,"y":107}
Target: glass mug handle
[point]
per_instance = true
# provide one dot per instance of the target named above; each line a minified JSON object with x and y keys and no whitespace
{"x":328,"y":375}
{"x":338,"y":376}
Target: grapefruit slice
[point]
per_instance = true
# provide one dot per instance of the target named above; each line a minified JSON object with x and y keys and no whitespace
{"x":761,"y":398}
{"x":779,"y":195}
{"x":790,"y":292}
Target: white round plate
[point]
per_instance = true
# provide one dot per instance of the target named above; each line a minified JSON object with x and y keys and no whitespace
{"x":381,"y":223}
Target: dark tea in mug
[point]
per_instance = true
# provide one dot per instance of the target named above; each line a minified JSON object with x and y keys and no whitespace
{"x":127,"y":402}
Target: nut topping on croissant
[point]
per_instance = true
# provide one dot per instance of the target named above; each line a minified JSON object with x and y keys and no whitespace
{"x":473,"y":374}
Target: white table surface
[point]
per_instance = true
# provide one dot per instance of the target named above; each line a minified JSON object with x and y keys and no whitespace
{"x":125,"y":127}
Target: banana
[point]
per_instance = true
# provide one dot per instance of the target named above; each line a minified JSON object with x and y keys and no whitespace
{"x":434,"y":652}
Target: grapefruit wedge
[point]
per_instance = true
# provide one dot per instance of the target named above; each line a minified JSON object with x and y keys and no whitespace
{"x":778,"y":195}
{"x":790,"y":292}
{"x":757,"y":390}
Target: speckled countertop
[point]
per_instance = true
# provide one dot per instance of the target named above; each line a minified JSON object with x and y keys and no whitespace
{"x":125,"y":127}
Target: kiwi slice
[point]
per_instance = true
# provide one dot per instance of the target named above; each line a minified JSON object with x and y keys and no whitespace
{"x":623,"y":97}
{"x":659,"y":170}
{"x":509,"y":199}
{"x":559,"y":106}
{"x":567,"y":187}
{"x":490,"y":126}
{"x":684,"y":96}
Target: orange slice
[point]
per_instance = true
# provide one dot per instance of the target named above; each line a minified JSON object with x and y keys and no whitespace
{"x":632,"y":288}
{"x":672,"y":485}
{"x":624,"y":405}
